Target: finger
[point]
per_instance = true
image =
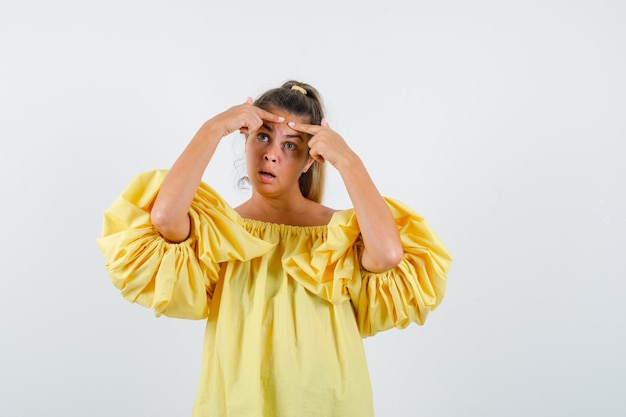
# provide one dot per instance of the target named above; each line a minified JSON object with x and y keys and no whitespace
{"x":270,"y":117}
{"x":324,"y":122}
{"x":249,"y":100}
{"x":302,"y":127}
{"x":317,"y":156}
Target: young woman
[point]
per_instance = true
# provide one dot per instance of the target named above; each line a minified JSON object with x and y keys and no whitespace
{"x":288,"y":286}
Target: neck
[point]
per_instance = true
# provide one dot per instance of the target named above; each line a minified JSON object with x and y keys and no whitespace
{"x":274,"y":209}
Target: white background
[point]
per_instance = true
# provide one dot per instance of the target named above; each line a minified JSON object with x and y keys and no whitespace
{"x":502,"y":122}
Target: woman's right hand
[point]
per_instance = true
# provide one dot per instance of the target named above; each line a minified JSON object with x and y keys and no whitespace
{"x":169,"y":213}
{"x":244,"y":117}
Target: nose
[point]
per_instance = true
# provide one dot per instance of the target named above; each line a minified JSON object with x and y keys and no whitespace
{"x":270,"y":154}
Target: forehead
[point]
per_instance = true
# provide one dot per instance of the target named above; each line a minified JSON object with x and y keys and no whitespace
{"x":282,"y":128}
{"x":289,"y":117}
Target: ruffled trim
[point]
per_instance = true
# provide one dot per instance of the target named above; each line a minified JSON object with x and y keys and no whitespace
{"x":325,"y":264}
{"x":394,"y":298}
{"x":174,"y":279}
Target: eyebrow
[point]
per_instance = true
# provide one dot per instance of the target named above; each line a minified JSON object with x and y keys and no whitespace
{"x":271,"y":130}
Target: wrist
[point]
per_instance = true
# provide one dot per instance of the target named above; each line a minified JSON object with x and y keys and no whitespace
{"x":348,"y":163}
{"x":211,"y":131}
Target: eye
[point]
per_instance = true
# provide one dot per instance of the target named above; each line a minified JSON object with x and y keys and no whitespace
{"x":290,"y":146}
{"x":263,"y":137}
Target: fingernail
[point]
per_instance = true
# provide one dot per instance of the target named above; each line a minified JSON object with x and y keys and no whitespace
{"x":281,"y":119}
{"x":291,"y":124}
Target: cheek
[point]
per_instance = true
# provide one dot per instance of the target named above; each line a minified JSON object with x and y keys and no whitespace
{"x":295,"y":155}
{"x":252,"y":147}
{"x":299,"y":158}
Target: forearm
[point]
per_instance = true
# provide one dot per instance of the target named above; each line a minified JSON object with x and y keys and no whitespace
{"x":382,"y":246}
{"x":170,"y":212}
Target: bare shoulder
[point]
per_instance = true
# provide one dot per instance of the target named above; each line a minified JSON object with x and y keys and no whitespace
{"x":321,"y":215}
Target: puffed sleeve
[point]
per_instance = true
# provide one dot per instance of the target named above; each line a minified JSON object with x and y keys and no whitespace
{"x":401,"y":295}
{"x":173,"y":279}
{"x":409,"y":291}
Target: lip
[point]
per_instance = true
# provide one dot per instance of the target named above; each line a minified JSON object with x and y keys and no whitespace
{"x":266,"y":176}
{"x":267,"y":170}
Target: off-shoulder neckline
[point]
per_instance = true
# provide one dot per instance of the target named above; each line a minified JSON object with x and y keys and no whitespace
{"x":266,"y":224}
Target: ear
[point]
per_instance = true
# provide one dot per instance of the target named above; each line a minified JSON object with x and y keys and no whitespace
{"x":308,"y":165}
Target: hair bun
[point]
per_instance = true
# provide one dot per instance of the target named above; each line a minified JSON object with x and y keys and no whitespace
{"x":298,"y":89}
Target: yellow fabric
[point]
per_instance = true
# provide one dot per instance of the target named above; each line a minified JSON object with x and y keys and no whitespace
{"x":286,"y":306}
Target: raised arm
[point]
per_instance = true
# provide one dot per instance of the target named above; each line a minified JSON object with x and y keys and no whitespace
{"x":382,"y":246}
{"x":170,"y":212}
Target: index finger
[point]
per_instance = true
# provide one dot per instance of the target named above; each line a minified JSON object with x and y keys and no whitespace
{"x":306,"y":128}
{"x":270,"y":117}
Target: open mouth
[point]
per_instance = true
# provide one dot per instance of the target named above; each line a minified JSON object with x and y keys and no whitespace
{"x":266,"y":174}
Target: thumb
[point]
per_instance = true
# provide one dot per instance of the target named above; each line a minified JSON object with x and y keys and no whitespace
{"x":324,"y":122}
{"x":249,"y":100}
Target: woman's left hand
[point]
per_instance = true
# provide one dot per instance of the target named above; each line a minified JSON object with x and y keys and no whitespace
{"x":325,"y":144}
{"x":382,"y":245}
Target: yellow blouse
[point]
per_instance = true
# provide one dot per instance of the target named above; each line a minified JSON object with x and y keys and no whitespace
{"x":286,"y":306}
